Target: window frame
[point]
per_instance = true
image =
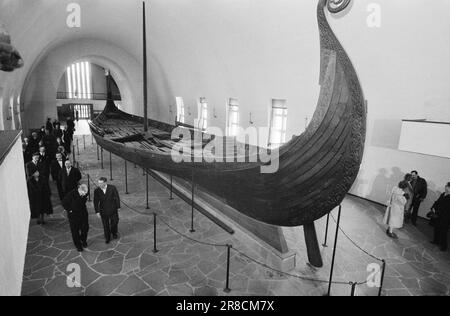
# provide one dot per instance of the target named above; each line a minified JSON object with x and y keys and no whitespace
{"x":278,"y":115}
{"x":233,"y":125}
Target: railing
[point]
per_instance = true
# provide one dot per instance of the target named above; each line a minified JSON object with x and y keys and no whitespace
{"x":87,"y":96}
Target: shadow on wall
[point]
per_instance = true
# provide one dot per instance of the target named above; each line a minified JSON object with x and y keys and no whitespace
{"x":386,"y":180}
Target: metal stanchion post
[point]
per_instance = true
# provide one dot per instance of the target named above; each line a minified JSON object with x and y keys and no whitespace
{"x":89,"y":186}
{"x":146,"y":189}
{"x":353,"y":285}
{"x":73,"y":154}
{"x":334,"y":250}
{"x":78,"y":148}
{"x":98,"y":154}
{"x":110,"y":166}
{"x":192,"y":204}
{"x":227,"y":284}
{"x":171,"y":188}
{"x":84,"y":142}
{"x":155,"y":250}
{"x":126,"y":178}
{"x":326,"y":231}
{"x":101,"y":154}
{"x":380,"y":292}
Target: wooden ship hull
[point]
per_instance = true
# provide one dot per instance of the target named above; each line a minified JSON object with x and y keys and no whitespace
{"x":316,"y":168}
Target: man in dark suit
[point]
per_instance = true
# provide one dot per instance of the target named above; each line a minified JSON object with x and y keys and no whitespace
{"x":441,"y":219}
{"x":49,"y":125}
{"x":70,"y":127}
{"x":33,"y":165}
{"x":69,"y":177}
{"x":50,"y":143}
{"x":34,"y":142}
{"x":107,"y":206}
{"x":55,"y":170}
{"x":44,"y":163}
{"x":57,"y":131}
{"x":75,"y":205}
{"x":26,"y":149}
{"x":420,"y":190}
{"x":67,"y":141}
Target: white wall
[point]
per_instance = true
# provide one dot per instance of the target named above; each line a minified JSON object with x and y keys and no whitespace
{"x":14,"y":218}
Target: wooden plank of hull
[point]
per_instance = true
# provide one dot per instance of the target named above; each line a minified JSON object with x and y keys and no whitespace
{"x":316,"y":170}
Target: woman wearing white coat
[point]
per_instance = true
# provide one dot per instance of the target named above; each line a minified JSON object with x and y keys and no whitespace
{"x":395,"y":212}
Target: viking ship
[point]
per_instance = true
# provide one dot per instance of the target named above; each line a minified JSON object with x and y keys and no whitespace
{"x":316,"y":169}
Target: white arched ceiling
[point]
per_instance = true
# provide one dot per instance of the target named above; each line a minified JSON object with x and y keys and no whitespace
{"x":38,"y":26}
{"x":39,"y":92}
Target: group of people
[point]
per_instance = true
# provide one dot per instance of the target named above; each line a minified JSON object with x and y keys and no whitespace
{"x":49,"y":161}
{"x":53,"y":137}
{"x":46,"y":154}
{"x":404,"y":205}
{"x":106,"y":205}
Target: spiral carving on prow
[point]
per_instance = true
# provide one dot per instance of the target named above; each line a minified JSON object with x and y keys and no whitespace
{"x":336,"y":6}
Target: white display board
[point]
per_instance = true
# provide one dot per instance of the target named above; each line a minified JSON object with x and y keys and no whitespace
{"x":424,"y":137}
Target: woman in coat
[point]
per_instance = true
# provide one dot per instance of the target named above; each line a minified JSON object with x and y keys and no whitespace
{"x":39,"y":197}
{"x":395,"y":211}
{"x":441,"y":219}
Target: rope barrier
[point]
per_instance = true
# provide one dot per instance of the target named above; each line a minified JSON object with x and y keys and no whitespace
{"x":192,"y":239}
{"x":355,"y":244}
{"x":286,"y":273}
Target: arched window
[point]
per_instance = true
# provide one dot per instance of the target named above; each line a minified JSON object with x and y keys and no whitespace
{"x":203,"y":119}
{"x":180,"y":110}
{"x":78,"y":80}
{"x":233,"y":117}
{"x":277,"y":135}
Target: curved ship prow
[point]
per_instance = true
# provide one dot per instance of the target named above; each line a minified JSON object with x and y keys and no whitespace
{"x":315,"y":170}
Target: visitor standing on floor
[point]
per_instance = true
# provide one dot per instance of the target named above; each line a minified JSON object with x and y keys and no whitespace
{"x":49,"y":125}
{"x":39,"y":197}
{"x":75,"y":205}
{"x":57,"y":131}
{"x":410,"y":191}
{"x":70,"y":128}
{"x":395,"y":211}
{"x":107,"y":207}
{"x":420,"y":190}
{"x":69,"y":177}
{"x":33,"y":165}
{"x":441,"y":219}
{"x":27,"y":153}
{"x":56,"y":167}
{"x":34,"y":142}
{"x":44,"y":163}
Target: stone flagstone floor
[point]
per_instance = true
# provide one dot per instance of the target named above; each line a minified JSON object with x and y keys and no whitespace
{"x":183,"y":267}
